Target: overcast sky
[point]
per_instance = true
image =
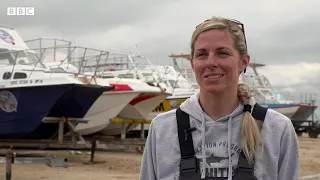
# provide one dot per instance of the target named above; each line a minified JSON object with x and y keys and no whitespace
{"x":282,"y":34}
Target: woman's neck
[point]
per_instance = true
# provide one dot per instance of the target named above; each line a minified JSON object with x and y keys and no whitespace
{"x":218,"y":105}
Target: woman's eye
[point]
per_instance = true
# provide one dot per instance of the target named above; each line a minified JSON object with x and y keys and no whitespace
{"x":201,"y":55}
{"x":223,"y":53}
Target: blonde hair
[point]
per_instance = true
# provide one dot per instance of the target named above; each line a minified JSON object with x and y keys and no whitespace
{"x":250,"y":130}
{"x":233,"y":28}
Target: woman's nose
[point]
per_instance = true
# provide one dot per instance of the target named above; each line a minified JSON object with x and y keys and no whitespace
{"x":212,"y":60}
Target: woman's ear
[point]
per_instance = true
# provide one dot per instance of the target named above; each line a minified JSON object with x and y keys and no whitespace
{"x":245,"y":62}
{"x":191,"y":62}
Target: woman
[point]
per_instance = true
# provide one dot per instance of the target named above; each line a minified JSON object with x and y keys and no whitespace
{"x":215,"y":134}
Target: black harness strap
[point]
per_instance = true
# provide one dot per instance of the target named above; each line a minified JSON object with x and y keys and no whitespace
{"x":259,"y":112}
{"x":188,"y":164}
{"x":189,"y":169}
{"x":185,"y":138}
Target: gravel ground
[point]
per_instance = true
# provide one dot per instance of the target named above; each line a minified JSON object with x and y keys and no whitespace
{"x":125,"y":165}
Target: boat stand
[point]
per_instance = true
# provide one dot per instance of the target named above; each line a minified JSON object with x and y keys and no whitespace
{"x":70,"y":122}
{"x":131,"y":123}
{"x":76,"y":142}
{"x":103,"y":142}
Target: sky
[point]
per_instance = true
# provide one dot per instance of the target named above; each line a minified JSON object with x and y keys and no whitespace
{"x":284,"y":34}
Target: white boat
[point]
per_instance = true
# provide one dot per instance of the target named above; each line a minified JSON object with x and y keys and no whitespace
{"x":164,"y":76}
{"x":147,"y":105}
{"x":136,"y":103}
{"x":151,"y":93}
{"x":297,"y":109}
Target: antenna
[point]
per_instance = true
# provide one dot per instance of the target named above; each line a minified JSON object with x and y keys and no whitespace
{"x":134,"y":49}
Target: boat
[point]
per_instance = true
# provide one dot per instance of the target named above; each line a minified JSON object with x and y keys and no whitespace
{"x":137,"y":100}
{"x":296,"y":109}
{"x":131,"y":98}
{"x":181,"y":88}
{"x":29,"y":95}
{"x":265,"y":94}
{"x":152,"y":91}
{"x":139,"y":108}
{"x":163,"y":76}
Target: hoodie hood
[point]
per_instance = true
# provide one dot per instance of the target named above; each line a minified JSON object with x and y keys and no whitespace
{"x":192,"y":107}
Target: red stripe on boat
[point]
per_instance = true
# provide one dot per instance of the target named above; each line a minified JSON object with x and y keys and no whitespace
{"x":120,"y":87}
{"x":139,"y":99}
{"x":307,"y":105}
{"x":278,"y":107}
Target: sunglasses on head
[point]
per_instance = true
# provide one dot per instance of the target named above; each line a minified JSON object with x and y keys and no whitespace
{"x":240,"y":25}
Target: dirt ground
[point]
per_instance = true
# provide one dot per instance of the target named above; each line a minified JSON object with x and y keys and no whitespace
{"x":125,"y":165}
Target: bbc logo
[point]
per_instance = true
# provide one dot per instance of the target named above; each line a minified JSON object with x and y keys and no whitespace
{"x":20,"y":11}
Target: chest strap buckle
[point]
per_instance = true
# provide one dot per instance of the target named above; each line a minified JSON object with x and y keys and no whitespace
{"x":189,"y":164}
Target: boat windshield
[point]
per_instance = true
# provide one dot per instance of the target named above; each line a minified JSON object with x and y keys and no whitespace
{"x":12,"y":57}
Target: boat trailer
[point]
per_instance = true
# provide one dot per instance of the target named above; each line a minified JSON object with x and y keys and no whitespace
{"x":309,"y":126}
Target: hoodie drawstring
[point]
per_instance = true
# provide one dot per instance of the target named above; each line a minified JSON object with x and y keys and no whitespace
{"x":229,"y":150}
{"x":203,"y":134}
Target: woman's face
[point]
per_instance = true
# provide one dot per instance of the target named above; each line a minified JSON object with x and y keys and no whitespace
{"x":216,"y":62}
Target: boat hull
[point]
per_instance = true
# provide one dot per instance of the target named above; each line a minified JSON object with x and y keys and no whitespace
{"x":32,"y":104}
{"x":303,"y":113}
{"x":139,"y":108}
{"x":142,"y":106}
{"x":108,"y":106}
{"x":74,"y":103}
{"x":164,"y":106}
{"x":285,"y":109}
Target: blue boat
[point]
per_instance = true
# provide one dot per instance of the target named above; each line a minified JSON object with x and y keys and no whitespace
{"x":75,"y":103}
{"x":28,"y":94}
{"x":23,"y":109}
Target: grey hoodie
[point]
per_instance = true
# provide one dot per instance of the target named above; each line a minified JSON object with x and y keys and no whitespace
{"x":161,"y":158}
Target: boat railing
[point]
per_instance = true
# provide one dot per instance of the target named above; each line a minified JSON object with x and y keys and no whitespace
{"x":94,"y":62}
{"x":58,"y":55}
{"x":189,"y":75}
{"x":186,"y":75}
{"x":150,"y":72}
{"x":72,"y":59}
{"x":181,"y":79}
